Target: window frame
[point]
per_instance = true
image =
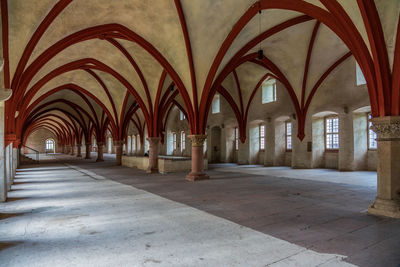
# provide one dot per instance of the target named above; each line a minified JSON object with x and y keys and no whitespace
{"x":183,"y":141}
{"x":274,"y":95}
{"x":288,"y":135}
{"x":369,"y":124}
{"x":326,"y":118}
{"x":216,"y":97}
{"x":236,"y":138}
{"x":174,"y":141}
{"x":48,"y":142}
{"x":181,"y":115}
{"x":261,"y":138}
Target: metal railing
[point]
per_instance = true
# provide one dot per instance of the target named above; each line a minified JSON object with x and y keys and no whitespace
{"x":23,"y":147}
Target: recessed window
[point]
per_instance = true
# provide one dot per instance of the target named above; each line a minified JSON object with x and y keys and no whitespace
{"x":236,"y":138}
{"x":181,"y":115}
{"x":215,"y":108}
{"x":288,"y":135}
{"x":174,"y":141}
{"x":332,"y":133}
{"x":49,"y":144}
{"x":183,"y":141}
{"x":360,"y":76}
{"x":372,"y":136}
{"x":262,"y":137}
{"x":268,"y":91}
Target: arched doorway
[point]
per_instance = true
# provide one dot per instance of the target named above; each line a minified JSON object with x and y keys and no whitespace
{"x":216,"y":144}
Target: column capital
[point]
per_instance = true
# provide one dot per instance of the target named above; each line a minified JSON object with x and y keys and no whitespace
{"x":197,"y":139}
{"x":100,"y":143}
{"x":387,"y":128}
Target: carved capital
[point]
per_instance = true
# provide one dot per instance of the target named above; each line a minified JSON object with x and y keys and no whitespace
{"x":387,"y":128}
{"x":197,"y":139}
{"x":118,"y":143}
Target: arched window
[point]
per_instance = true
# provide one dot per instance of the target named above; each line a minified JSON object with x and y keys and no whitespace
{"x":215,"y":107}
{"x":181,"y":115}
{"x":262,"y":137}
{"x":50,"y":145}
{"x":236,"y":138}
{"x":360,"y":79}
{"x":288,"y":135}
{"x":268,"y":93}
{"x":174,"y":140}
{"x":183,"y":141}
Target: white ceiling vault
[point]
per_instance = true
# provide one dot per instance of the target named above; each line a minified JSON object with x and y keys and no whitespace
{"x":109,"y":71}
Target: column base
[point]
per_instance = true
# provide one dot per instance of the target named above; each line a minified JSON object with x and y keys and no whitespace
{"x":99,"y":160}
{"x":384,"y":207}
{"x":88,"y":158}
{"x":151,"y":170}
{"x":79,"y":156}
{"x":197,"y":176}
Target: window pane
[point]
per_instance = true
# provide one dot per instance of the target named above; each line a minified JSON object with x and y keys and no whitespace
{"x":236,"y":138}
{"x":360,"y":75}
{"x":372,"y":136}
{"x":268,"y":91}
{"x":183,"y":141}
{"x":288,"y":133}
{"x":215,"y":108}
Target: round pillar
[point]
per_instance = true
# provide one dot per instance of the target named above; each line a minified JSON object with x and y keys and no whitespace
{"x":100,"y":147}
{"x":79,"y":150}
{"x":153,"y":154}
{"x":197,"y":172}
{"x":387,"y":202}
{"x":87,"y":151}
{"x":72,"y":150}
{"x":118,"y":152}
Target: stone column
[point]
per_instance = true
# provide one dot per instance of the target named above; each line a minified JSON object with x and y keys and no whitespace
{"x":100,"y":147}
{"x":387,"y":202}
{"x":15,"y":162}
{"x":87,"y":151}
{"x":118,"y":152}
{"x":72,"y":150}
{"x":301,"y":149}
{"x":197,"y":172}
{"x":244,"y":152}
{"x":153,"y":154}
{"x":3,"y":179}
{"x":79,"y":150}
{"x":8,"y":167}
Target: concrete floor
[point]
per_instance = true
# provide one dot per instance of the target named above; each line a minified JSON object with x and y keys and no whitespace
{"x":74,"y":214}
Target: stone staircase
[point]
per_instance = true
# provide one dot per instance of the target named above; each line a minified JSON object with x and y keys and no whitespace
{"x":27,"y":160}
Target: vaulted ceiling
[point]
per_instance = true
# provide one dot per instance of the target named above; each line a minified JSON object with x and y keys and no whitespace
{"x":95,"y":62}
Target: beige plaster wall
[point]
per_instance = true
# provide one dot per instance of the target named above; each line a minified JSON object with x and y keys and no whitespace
{"x":37,"y":140}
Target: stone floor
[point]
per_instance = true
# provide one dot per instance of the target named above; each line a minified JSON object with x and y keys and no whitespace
{"x":77,"y":212}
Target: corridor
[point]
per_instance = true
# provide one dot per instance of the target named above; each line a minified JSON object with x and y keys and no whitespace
{"x":68,"y":212}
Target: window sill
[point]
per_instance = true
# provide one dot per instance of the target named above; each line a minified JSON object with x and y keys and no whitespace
{"x":331,"y":150}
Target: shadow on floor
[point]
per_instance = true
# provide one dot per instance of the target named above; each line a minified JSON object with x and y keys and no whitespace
{"x":6,"y":245}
